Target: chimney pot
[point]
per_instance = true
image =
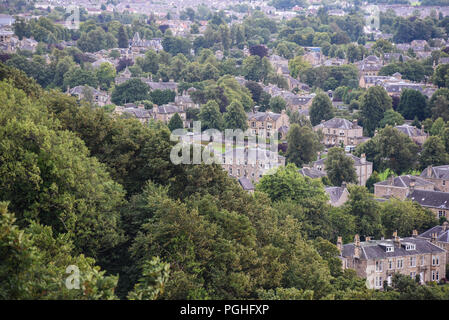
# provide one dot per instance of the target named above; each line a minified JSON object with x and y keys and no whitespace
{"x":415,"y":233}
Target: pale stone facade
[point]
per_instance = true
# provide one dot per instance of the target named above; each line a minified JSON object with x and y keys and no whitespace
{"x":338,"y":131}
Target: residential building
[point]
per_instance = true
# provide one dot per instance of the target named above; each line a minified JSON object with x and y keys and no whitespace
{"x":438,"y":235}
{"x":261,"y":123}
{"x":363,"y":168}
{"x":435,"y":201}
{"x":417,"y":135}
{"x":165,"y":112}
{"x":338,"y":131}
{"x":312,"y":173}
{"x":98,"y":97}
{"x":251,"y":163}
{"x":400,"y":187}
{"x":438,"y":175}
{"x":337,"y":195}
{"x":378,"y":260}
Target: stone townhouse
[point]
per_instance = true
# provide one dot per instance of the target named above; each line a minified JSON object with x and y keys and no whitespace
{"x":400,"y":187}
{"x":435,"y":201}
{"x":438,"y":175}
{"x":338,"y":131}
{"x":185,"y":102}
{"x":378,"y":260}
{"x":417,"y":135}
{"x":439,"y":235}
{"x":363,"y":168}
{"x":267,"y":123}
{"x":251,"y":163}
{"x":165,"y":112}
{"x":370,"y":66}
{"x":99,"y":97}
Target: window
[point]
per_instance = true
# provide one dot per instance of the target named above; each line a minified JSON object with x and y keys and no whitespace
{"x":412,"y":261}
{"x":378,"y":282}
{"x":389,"y":280}
{"x":390,"y":264}
{"x":422,"y":260}
{"x":441,"y":213}
{"x":389,"y":249}
{"x":435,"y":275}
{"x":379,"y":266}
{"x":435,"y":260}
{"x":410,"y":246}
{"x":413,"y":275}
{"x":400,"y":263}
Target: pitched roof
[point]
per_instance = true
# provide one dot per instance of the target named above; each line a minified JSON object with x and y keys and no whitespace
{"x":433,"y":199}
{"x":441,"y":231}
{"x":246,"y":184}
{"x":338,"y":123}
{"x":357,"y":160}
{"x":411,"y":131}
{"x":375,"y":249}
{"x":404,"y":181}
{"x":335,"y":193}
{"x":439,"y":172}
{"x":262,"y":116}
{"x":312,"y":173}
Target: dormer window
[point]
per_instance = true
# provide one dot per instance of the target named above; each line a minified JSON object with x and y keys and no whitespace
{"x":410,"y":246}
{"x":389,"y":249}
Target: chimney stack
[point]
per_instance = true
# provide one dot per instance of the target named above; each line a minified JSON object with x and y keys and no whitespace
{"x":367,"y":238}
{"x":445,"y":226}
{"x":343,"y":184}
{"x":357,"y":246}
{"x":429,"y":171}
{"x":415,"y":233}
{"x":434,"y":236}
{"x":363,"y":158}
{"x":397,"y":240}
{"x":340,"y":244}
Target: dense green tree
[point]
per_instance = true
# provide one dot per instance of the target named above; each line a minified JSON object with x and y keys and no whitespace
{"x":122,"y":38}
{"x":339,"y":167}
{"x":433,"y":153}
{"x":413,"y":104}
{"x":277,"y":104}
{"x":210,"y":116}
{"x":175,"y":122}
{"x":235,"y":117}
{"x":374,"y":103}
{"x":321,"y":109}
{"x":303,"y":145}
{"x":130,"y":91}
{"x":391,"y":118}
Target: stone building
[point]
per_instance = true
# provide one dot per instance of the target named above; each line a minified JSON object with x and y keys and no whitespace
{"x":98,"y":97}
{"x":267,"y":122}
{"x":378,"y":260}
{"x":438,"y":175}
{"x":251,"y":163}
{"x":417,"y":135}
{"x":400,"y":187}
{"x":435,"y":201}
{"x":338,"y":131}
{"x":363,"y":168}
{"x":438,"y":235}
{"x":337,"y":195}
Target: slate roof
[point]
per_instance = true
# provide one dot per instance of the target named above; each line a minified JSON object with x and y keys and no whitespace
{"x":338,"y":123}
{"x":312,"y":173}
{"x":374,"y":249}
{"x":404,"y":181}
{"x":138,"y":113}
{"x":410,"y":131}
{"x":335,"y":193}
{"x":442,"y":234}
{"x":246,"y":184}
{"x":262,"y":116}
{"x":168,"y":109}
{"x":357,"y":160}
{"x":433,"y":199}
{"x":439,"y":172}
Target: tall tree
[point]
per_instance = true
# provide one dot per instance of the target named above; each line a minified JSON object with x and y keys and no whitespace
{"x":413,"y":104}
{"x":235,"y":116}
{"x":122,"y":38}
{"x":210,"y":116}
{"x":374,"y":103}
{"x":303,"y":145}
{"x":175,"y":122}
{"x":321,"y":109}
{"x":340,"y":167}
{"x":433,"y":153}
